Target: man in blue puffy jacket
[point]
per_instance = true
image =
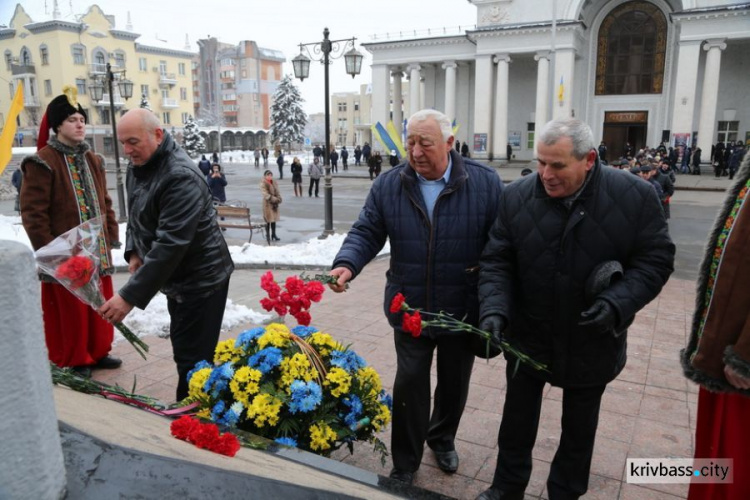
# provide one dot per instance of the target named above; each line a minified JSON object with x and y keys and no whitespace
{"x":436,"y":210}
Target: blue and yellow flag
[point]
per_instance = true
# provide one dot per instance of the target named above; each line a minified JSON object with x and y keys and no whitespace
{"x":381,"y":134}
{"x":9,"y":131}
{"x":396,"y":137}
{"x":455,"y":126}
{"x":561,"y":91}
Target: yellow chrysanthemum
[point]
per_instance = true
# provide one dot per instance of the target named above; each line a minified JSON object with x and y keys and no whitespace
{"x":368,"y":377}
{"x":244,"y":384}
{"x":225,"y":351}
{"x":264,"y":410}
{"x":296,"y":367}
{"x":323,"y":343}
{"x":276,"y":335}
{"x":382,"y":419}
{"x":205,"y":414}
{"x":339,"y":381}
{"x":321,"y":436}
{"x":197,"y":382}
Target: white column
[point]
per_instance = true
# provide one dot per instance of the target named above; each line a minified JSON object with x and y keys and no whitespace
{"x":450,"y":89}
{"x":564,"y":69}
{"x":381,"y":86}
{"x":398,"y":114}
{"x":500,"y":134}
{"x":482,"y":104}
{"x":414,"y":98}
{"x":422,"y":91}
{"x":542,"y":89}
{"x":685,"y":84}
{"x":710,"y":97}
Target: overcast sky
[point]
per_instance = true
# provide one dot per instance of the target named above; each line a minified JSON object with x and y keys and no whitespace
{"x":275,"y":24}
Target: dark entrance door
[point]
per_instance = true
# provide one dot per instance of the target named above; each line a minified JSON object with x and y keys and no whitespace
{"x":621,"y":127}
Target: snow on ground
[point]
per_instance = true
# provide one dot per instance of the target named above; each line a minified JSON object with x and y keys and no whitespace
{"x":154,"y":320}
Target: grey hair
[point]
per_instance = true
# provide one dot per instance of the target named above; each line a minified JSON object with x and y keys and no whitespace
{"x":442,"y":120}
{"x":580,"y":135}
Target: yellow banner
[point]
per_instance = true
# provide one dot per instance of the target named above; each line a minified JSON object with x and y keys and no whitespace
{"x":9,"y":131}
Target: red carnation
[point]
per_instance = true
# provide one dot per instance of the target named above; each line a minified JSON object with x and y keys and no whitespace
{"x":314,"y":290}
{"x":280,"y":308}
{"x":227,"y":444}
{"x":303,"y":318}
{"x":412,"y":323}
{"x":267,"y":303}
{"x":268,"y":284}
{"x":294,"y":285}
{"x":77,"y":270}
{"x":204,"y":435}
{"x":397,"y":302}
{"x":182,"y":427}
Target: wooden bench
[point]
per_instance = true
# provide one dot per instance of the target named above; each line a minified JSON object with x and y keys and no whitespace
{"x":238,"y":218}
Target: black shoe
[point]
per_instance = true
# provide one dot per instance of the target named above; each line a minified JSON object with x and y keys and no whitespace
{"x":274,"y":238}
{"x":496,"y":494}
{"x":108,"y":363}
{"x":447,"y":460}
{"x":402,"y":475}
{"x":81,"y":371}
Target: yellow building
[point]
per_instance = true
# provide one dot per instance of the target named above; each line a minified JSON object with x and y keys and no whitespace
{"x":45,"y":56}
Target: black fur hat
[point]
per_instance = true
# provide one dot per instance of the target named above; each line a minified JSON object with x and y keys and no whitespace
{"x":60,"y":109}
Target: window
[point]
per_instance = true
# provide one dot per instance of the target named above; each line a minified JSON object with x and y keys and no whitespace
{"x":12,"y":90}
{"x":144,"y":90}
{"x":8,"y":59}
{"x":342,"y":138}
{"x":81,"y":86}
{"x":227,"y":74}
{"x":25,"y":57}
{"x":185,"y":117}
{"x":100,"y":62}
{"x":530,"y":127}
{"x":356,"y":106}
{"x":183,"y":93}
{"x":142,"y":64}
{"x":109,"y":145}
{"x":342,"y":124}
{"x":119,"y":59}
{"x":165,"y":118}
{"x":162,"y":67}
{"x":78,"y":57}
{"x":44,"y":55}
{"x":632,"y":46}
{"x":181,"y":68}
{"x":342,"y":107}
{"x":47,"y":87}
{"x":104,"y":113}
{"x":226,"y":62}
{"x":728,"y":131}
{"x":194,"y":65}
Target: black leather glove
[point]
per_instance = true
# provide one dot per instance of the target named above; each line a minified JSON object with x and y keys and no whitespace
{"x":601,"y":316}
{"x":495,"y":324}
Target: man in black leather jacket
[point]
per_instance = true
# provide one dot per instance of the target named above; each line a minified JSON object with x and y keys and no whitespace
{"x":576,"y":251}
{"x":174,"y":243}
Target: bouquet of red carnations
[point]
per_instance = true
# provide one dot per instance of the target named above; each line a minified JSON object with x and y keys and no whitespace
{"x":73,"y":260}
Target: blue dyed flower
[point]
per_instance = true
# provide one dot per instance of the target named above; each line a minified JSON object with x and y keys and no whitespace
{"x":287,"y":441}
{"x":226,"y":416}
{"x":199,"y":366}
{"x":266,"y":359}
{"x":247,"y":337}
{"x":348,"y":360}
{"x":386,"y":399}
{"x":219,"y":379}
{"x":355,"y":410}
{"x":306,"y":396}
{"x":304,"y":331}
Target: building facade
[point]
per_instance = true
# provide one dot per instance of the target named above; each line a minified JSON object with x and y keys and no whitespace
{"x":238,"y":81}
{"x":45,"y":56}
{"x":638,"y":71}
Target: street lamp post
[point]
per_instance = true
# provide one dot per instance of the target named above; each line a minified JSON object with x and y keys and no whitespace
{"x":330,"y":49}
{"x":97,"y":93}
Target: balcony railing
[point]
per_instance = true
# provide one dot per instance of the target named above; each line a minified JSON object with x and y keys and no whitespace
{"x":118,"y":101}
{"x":168,"y":102}
{"x":22,"y":69}
{"x":167,"y":79}
{"x":31,"y":101}
{"x":97,"y":69}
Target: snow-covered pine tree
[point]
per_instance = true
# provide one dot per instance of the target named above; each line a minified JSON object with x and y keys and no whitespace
{"x":288,"y":120}
{"x":144,"y":102}
{"x":192,"y":142}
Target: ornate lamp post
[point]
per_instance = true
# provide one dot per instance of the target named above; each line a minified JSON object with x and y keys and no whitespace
{"x":325,"y":51}
{"x":96,"y":89}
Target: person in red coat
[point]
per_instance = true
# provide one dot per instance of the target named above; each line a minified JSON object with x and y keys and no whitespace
{"x":65,"y":185}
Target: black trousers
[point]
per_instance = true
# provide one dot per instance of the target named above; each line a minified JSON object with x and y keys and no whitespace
{"x":412,"y":424}
{"x":316,"y":183}
{"x":569,"y":473}
{"x":194,"y":331}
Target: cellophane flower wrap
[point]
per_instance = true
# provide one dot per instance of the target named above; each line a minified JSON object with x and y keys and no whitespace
{"x":73,"y":260}
{"x":299,"y":387}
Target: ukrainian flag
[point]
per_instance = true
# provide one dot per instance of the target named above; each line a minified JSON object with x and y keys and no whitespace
{"x":9,"y":131}
{"x":561,"y":91}
{"x":382,"y":135}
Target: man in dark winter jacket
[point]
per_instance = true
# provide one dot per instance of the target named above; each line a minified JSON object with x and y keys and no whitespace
{"x":436,"y":210}
{"x":576,"y":251}
{"x":174,"y":243}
